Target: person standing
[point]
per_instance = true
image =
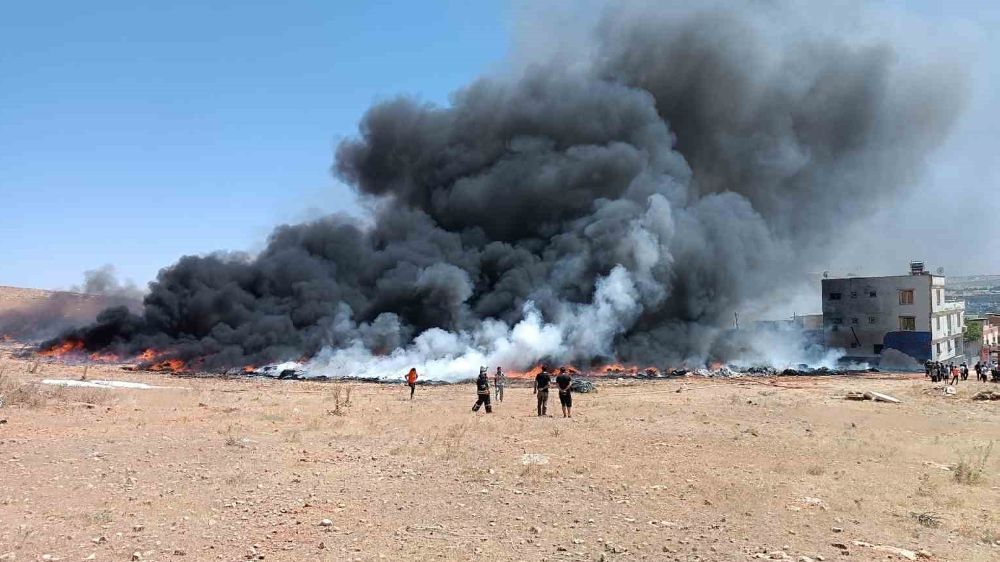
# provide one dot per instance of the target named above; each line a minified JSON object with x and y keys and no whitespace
{"x":979,"y":371}
{"x":964,"y":369}
{"x":564,"y":382}
{"x":499,"y":380}
{"x":483,"y":392}
{"x":411,"y":379}
{"x":541,"y":390}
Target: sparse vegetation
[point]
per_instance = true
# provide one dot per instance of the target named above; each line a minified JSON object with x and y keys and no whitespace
{"x":641,"y":465}
{"x":816,"y":470}
{"x":972,"y":465}
{"x":14,"y":392}
{"x":927,"y":519}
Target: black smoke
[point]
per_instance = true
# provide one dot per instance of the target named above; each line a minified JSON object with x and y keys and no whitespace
{"x":686,"y":165}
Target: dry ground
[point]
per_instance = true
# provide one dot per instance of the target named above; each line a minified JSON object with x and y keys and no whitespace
{"x":674,"y":470}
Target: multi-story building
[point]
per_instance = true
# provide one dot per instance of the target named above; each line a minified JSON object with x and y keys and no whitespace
{"x":867,"y":315}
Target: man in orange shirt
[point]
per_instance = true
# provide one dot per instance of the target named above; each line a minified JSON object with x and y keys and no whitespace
{"x":411,"y":379}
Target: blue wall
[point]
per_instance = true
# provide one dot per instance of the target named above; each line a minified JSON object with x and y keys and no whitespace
{"x":915,"y":344}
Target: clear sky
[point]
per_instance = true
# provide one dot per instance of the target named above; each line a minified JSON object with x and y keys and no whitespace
{"x":133,"y":132}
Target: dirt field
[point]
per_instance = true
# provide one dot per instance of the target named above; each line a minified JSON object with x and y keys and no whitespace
{"x":688,"y":469}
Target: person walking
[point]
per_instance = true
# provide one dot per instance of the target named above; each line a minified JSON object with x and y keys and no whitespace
{"x":964,"y":369}
{"x":499,"y":380}
{"x":979,"y":371}
{"x":955,"y":373}
{"x":483,"y":392}
{"x":564,"y":382}
{"x":411,"y":379}
{"x":541,"y":389}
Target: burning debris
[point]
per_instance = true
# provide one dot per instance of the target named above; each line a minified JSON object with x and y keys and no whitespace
{"x":618,"y":209}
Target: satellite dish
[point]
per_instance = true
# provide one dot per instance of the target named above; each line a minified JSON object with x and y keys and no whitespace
{"x":940,"y":271}
{"x":826,"y":275}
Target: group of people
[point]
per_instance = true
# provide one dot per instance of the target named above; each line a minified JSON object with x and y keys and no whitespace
{"x":986,"y":370}
{"x":951,"y":373}
{"x":540,"y":388}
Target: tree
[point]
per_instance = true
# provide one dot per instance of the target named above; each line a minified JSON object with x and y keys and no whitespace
{"x":974,"y":331}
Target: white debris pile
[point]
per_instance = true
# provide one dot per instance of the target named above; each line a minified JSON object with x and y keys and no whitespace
{"x":721,"y":372}
{"x":103,"y":384}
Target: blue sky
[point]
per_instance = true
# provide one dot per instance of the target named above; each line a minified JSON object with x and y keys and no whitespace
{"x":133,"y":132}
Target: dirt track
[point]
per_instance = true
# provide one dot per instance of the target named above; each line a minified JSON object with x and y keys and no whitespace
{"x":675,"y":470}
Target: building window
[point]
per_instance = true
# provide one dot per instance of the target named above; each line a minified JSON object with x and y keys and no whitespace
{"x":907,"y":323}
{"x":938,"y":346}
{"x":854,"y":294}
{"x":950,"y":345}
{"x":938,"y":319}
{"x":873,"y":320}
{"x":854,"y":320}
{"x":937,"y":293}
{"x":949,"y":322}
{"x":835,"y":296}
{"x":906,"y":296}
{"x":872,"y":294}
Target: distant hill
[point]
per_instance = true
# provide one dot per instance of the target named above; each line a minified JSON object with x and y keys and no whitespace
{"x":37,"y":314}
{"x":973,"y":282}
{"x":981,"y":293}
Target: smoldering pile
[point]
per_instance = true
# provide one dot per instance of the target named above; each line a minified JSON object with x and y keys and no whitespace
{"x":620,"y":206}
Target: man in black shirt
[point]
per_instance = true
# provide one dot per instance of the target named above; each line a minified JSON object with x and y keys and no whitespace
{"x":483,"y":392}
{"x":564,"y":381}
{"x":542,"y":389}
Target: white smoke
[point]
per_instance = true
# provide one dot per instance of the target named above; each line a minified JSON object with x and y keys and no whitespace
{"x":441,"y":355}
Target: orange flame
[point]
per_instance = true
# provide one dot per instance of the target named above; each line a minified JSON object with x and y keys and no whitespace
{"x":609,"y":370}
{"x":67,"y":346}
{"x":104,"y":357}
{"x":149,"y":355}
{"x":170,"y":365}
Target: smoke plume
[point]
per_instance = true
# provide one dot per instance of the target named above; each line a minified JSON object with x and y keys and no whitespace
{"x":619,"y":208}
{"x":34,"y":315}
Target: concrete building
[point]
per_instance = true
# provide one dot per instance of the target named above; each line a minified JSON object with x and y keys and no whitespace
{"x":866,"y":316}
{"x":988,"y":346}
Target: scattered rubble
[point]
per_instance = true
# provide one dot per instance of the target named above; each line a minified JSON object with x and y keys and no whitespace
{"x":874,"y":396}
{"x":987,"y":395}
{"x":583,"y":386}
{"x":534,"y":458}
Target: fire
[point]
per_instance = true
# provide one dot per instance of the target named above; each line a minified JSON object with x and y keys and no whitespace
{"x":249,"y":369}
{"x":149,"y":355}
{"x":608,"y":370}
{"x":170,"y":365}
{"x":104,"y":357}
{"x":67,"y":346}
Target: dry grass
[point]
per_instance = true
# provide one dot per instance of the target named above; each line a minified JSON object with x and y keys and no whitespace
{"x":26,"y":394}
{"x":230,"y":464}
{"x":971,"y":467}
